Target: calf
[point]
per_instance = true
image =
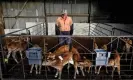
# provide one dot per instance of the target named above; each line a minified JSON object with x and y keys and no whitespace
{"x":115,"y":63}
{"x":73,"y":57}
{"x":83,"y":64}
{"x":14,"y":46}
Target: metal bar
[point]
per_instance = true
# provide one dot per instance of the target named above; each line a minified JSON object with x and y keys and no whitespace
{"x":43,"y":29}
{"x":89,"y":17}
{"x":113,"y":31}
{"x":95,"y":32}
{"x":100,"y":31}
{"x":1,"y":71}
{"x":49,"y":15}
{"x":74,"y":36}
{"x":22,"y":8}
{"x":111,"y":45}
{"x":103,"y":28}
{"x":23,"y":67}
{"x":16,"y":17}
{"x":131,"y":60}
{"x":21,"y":29}
{"x":107,"y":25}
{"x":81,"y":45}
{"x":112,"y":41}
{"x":45,"y":13}
{"x":68,"y":79}
{"x":45,"y":60}
{"x":91,"y":60}
{"x":123,"y":31}
{"x":118,"y":43}
{"x":2,"y":52}
{"x":80,"y":53}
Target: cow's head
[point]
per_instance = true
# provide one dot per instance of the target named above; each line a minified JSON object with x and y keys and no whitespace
{"x":50,"y":56}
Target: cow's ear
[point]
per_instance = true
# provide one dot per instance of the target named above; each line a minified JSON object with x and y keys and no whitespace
{"x":50,"y":53}
{"x":84,"y":57}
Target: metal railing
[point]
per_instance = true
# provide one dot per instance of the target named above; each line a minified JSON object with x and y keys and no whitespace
{"x":17,"y":68}
{"x":111,"y":31}
{"x":11,"y":33}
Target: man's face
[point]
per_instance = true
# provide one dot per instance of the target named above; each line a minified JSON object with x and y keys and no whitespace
{"x":64,"y":16}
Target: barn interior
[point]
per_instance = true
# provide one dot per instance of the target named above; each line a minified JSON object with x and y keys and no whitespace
{"x":105,"y":21}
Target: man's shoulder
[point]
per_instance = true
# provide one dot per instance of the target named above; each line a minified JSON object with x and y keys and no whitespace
{"x":69,"y":17}
{"x":59,"y":18}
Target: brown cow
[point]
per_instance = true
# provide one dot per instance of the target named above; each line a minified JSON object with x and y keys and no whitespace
{"x":15,"y":45}
{"x":83,"y":64}
{"x":61,"y":52}
{"x":127,"y":46}
{"x":58,"y":63}
{"x":115,"y":63}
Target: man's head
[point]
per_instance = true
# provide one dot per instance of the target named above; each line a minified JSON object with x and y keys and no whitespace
{"x":64,"y":13}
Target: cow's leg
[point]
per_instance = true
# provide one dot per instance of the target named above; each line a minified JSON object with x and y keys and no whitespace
{"x":57,"y":72}
{"x":127,"y":52}
{"x":113,"y":71}
{"x":76,"y":71}
{"x":95,"y":69}
{"x":81,"y":68}
{"x":89,"y":69}
{"x":14,"y":56}
{"x":8,"y":55}
{"x":48,"y":68}
{"x":31,"y":68}
{"x":36,"y":66}
{"x":118,"y":70}
{"x":60,"y":72}
{"x":40,"y":67}
{"x":99,"y":69}
{"x":68,"y":66}
{"x":106,"y":70}
{"x":20,"y":52}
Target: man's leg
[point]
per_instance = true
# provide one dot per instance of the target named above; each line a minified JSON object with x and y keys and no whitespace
{"x":68,"y":41}
{"x":70,"y":44}
{"x":61,"y":39}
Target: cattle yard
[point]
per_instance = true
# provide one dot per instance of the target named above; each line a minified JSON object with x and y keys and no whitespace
{"x":102,"y":47}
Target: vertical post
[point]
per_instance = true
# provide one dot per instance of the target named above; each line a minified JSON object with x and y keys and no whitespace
{"x":113,"y":30}
{"x":2,"y":26}
{"x":89,"y":12}
{"x":118,"y":43}
{"x":111,"y":45}
{"x":22,"y":63}
{"x":92,"y":57}
{"x":1,"y":51}
{"x":0,"y":72}
{"x":45,"y":57}
{"x":43,"y":29}
{"x":45,"y":14}
{"x":131,"y":60}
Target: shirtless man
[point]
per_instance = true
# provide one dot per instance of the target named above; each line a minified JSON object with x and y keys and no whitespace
{"x":64,"y":23}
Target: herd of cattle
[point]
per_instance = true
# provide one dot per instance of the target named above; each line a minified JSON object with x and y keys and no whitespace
{"x":62,"y":56}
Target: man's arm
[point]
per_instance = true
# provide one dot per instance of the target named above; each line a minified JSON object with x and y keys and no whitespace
{"x":57,"y":22}
{"x":71,"y":22}
{"x":71,"y":25}
{"x":57,"y":31}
